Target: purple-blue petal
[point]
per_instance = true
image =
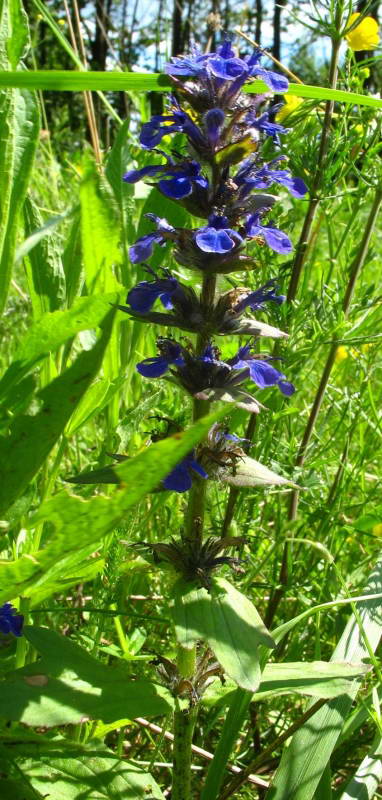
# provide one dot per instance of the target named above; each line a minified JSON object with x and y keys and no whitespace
{"x":176,"y":188}
{"x":10,"y":621}
{"x":286,"y":387}
{"x":143,"y":247}
{"x":211,"y":240}
{"x":277,"y":240}
{"x":134,"y":175}
{"x":153,"y":367}
{"x":179,"y":480}
{"x":275,"y":81}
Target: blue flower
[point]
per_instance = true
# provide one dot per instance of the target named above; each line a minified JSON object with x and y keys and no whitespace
{"x":213,"y":122}
{"x":180,"y":479}
{"x":170,"y":355}
{"x":277,"y":240}
{"x":217,"y":237}
{"x":143,"y":247}
{"x":261,"y":371}
{"x":162,"y":125}
{"x":176,"y":180}
{"x":255,"y":300}
{"x":143,"y":296}
{"x":224,"y":69}
{"x":264,"y":125}
{"x":249,"y":177}
{"x":10,"y":621}
{"x":279,"y":83}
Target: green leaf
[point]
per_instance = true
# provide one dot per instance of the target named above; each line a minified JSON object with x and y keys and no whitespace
{"x":249,"y":472}
{"x":365,"y":782}
{"x":61,"y":80}
{"x":19,"y":127}
{"x":14,"y":32}
{"x":32,"y":436}
{"x":49,"y":333}
{"x":40,"y":233}
{"x":304,"y":760}
{"x":72,"y":260}
{"x":74,"y":520}
{"x":228,"y":621}
{"x":99,"y":776}
{"x":45,"y":273}
{"x":99,"y":236}
{"x":235,"y":152}
{"x":311,"y":678}
{"x":68,"y":685}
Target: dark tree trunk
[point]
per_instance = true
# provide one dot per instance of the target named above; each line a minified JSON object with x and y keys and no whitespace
{"x":276,"y":49}
{"x":99,"y":46}
{"x":177,"y":33}
{"x":259,"y":20}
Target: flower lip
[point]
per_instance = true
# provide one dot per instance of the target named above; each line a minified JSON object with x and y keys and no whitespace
{"x":10,"y":620}
{"x":180,"y":479}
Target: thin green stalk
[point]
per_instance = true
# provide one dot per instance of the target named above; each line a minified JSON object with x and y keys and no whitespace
{"x":22,"y":644}
{"x":184,"y":724}
{"x":303,"y":243}
{"x":355,"y":269}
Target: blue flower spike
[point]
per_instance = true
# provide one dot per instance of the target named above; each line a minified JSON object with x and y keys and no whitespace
{"x":10,"y":620}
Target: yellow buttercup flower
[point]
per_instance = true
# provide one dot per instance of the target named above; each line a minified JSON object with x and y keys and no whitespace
{"x":341,"y":353}
{"x":291,"y":103}
{"x":365,"y":36}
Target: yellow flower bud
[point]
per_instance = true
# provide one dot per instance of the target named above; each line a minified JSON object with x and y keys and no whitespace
{"x":377,"y":529}
{"x":365,"y":35}
{"x":291,"y":103}
{"x":341,"y":353}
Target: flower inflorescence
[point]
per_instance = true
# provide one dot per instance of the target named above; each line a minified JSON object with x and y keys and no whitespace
{"x":217,"y":171}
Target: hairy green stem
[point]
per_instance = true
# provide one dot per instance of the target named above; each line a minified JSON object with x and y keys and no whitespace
{"x":185,"y":718}
{"x":303,"y":243}
{"x":355,"y":269}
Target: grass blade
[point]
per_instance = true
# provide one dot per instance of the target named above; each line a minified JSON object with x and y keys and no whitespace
{"x":305,"y":760}
{"x":67,"y":81}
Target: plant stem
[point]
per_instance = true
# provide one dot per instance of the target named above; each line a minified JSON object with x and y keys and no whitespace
{"x":303,"y":243}
{"x":184,"y":724}
{"x":355,"y":269}
{"x":185,"y":719}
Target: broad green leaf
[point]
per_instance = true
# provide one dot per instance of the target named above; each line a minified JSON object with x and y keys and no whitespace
{"x":61,"y":80}
{"x":225,"y":619}
{"x":14,"y":32}
{"x":99,"y":776}
{"x":67,"y":685}
{"x":311,"y":678}
{"x":72,"y":261}
{"x":95,"y":399}
{"x":99,"y":236}
{"x":19,"y":126}
{"x":50,"y":332}
{"x":117,"y":164}
{"x":45,"y":273}
{"x":74,"y":520}
{"x":32,"y":435}
{"x":309,"y":751}
{"x":249,"y":472}
{"x":367,"y":779}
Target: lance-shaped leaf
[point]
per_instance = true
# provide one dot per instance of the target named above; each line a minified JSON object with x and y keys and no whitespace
{"x":33,"y":435}
{"x":252,"y":327}
{"x":68,"y":685}
{"x":76,"y":522}
{"x":312,"y":678}
{"x":96,"y":774}
{"x":228,"y":622}
{"x":249,"y":472}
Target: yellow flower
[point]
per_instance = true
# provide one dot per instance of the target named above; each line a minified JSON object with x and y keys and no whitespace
{"x":365,"y":35}
{"x":291,"y":103}
{"x":377,"y":529}
{"x":341,"y":353}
